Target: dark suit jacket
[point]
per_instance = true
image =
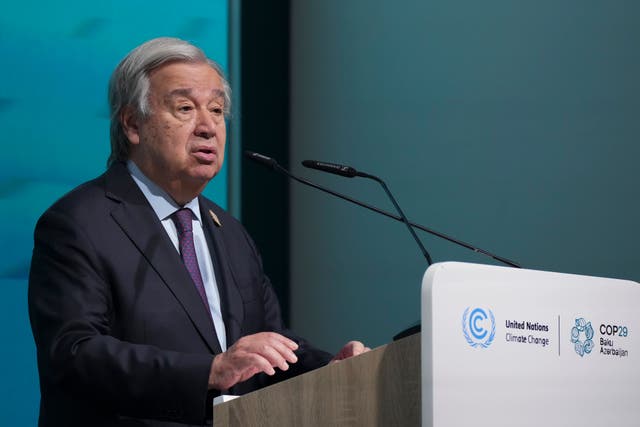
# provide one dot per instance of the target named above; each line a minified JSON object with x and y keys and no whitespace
{"x":122,"y":335}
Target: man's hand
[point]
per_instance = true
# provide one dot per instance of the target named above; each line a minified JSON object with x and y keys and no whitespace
{"x":250,"y":355}
{"x":350,"y":349}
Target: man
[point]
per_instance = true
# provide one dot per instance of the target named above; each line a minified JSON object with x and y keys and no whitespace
{"x":145,"y":298}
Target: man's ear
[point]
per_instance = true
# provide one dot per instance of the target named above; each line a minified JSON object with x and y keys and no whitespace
{"x":129,"y":120}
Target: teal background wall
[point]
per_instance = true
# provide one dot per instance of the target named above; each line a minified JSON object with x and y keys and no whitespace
{"x":54,"y":121}
{"x":511,"y":125}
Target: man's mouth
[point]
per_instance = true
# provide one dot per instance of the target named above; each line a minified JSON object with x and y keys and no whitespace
{"x":206,"y":154}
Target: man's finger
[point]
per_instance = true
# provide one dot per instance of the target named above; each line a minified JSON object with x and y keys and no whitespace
{"x":274,"y":358}
{"x":282,"y":339}
{"x":273,"y":347}
{"x":260,"y":363}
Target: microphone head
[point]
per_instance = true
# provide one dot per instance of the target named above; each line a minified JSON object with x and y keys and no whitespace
{"x":261,"y":158}
{"x":309,"y":164}
{"x":341,"y":170}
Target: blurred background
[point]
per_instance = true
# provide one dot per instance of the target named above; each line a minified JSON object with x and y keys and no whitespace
{"x":509,"y":125}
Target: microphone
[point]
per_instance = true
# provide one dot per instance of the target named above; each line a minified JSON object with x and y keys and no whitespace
{"x":347,"y":171}
{"x":273,"y":164}
{"x":350,"y":172}
{"x":260,"y":158}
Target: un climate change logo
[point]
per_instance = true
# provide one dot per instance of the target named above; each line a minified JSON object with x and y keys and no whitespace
{"x":479,"y":329}
{"x":584,"y":329}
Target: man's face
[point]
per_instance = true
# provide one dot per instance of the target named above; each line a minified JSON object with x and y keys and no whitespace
{"x":180,"y":146}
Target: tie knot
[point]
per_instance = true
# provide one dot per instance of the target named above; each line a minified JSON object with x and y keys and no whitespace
{"x":182,"y":219}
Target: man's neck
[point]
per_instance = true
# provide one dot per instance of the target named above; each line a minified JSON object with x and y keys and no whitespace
{"x":179,"y":190}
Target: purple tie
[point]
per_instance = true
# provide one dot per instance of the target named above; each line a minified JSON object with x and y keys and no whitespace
{"x":182,"y":219}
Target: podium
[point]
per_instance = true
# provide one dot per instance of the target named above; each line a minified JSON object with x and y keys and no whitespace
{"x":499,"y":346}
{"x":378,"y":388}
{"x":513,"y":347}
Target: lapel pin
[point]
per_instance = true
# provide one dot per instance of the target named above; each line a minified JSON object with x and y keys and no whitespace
{"x":215,"y":219}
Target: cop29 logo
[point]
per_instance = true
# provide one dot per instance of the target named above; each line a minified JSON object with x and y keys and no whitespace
{"x":582,"y":337}
{"x":479,"y":329}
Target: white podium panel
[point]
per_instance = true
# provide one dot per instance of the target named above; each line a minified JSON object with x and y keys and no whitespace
{"x":510,"y":347}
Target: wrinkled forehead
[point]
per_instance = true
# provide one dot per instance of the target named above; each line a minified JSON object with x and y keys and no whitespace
{"x":186,"y":79}
{"x":185,"y":69}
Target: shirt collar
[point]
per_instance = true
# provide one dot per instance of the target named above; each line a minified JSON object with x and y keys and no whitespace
{"x":163,"y":205}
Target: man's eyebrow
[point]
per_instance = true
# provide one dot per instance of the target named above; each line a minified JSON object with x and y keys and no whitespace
{"x":186,"y":92}
{"x":218,"y":93}
{"x":179,"y":92}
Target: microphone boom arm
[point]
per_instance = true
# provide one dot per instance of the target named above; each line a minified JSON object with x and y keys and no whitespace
{"x":272,"y":163}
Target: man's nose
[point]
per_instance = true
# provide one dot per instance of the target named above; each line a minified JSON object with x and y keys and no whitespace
{"x":205,"y":124}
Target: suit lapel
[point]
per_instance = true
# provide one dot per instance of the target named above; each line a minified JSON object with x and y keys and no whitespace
{"x":231,"y":301}
{"x":138,"y":220}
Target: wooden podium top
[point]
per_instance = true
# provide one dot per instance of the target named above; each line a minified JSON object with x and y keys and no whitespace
{"x":381,"y":387}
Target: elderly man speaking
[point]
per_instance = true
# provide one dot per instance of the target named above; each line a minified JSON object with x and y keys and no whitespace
{"x":146,"y":299}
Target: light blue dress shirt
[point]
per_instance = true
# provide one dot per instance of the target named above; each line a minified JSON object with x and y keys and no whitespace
{"x":164,"y":206}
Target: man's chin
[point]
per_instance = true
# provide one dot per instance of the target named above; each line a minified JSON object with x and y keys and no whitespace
{"x":204,"y":173}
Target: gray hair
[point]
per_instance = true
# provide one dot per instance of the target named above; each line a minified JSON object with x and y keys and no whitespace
{"x":129,"y":84}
